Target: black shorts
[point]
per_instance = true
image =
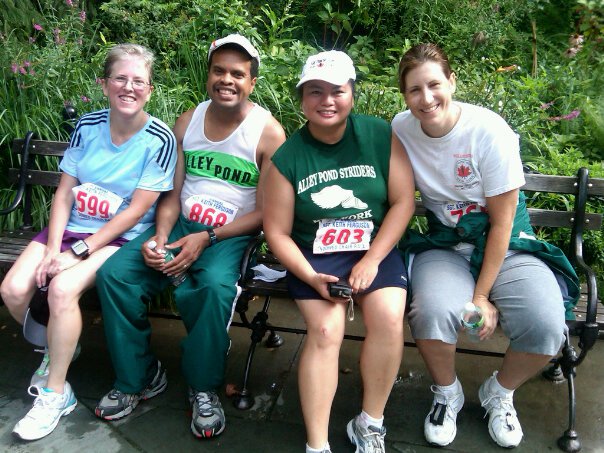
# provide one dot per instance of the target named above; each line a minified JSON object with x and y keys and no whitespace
{"x":391,"y":271}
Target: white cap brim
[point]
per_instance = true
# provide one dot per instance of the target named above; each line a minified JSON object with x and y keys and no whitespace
{"x":335,"y":79}
{"x":238,"y":40}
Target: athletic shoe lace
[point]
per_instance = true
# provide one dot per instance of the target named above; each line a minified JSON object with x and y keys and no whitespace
{"x":503,"y":407}
{"x":45,"y":405}
{"x":205,"y":403}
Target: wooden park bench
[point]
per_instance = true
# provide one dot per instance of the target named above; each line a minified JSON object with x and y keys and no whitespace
{"x":28,"y":175}
{"x":587,"y":326}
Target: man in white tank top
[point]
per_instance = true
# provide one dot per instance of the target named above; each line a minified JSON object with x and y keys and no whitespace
{"x":224,"y":149}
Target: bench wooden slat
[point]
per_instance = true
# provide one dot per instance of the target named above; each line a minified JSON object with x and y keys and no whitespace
{"x":36,"y":177}
{"x":548,"y":218}
{"x":561,"y":184}
{"x":544,"y":217}
{"x":41,"y":147}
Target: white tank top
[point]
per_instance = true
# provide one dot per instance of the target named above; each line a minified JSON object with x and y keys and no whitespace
{"x":221,"y":177}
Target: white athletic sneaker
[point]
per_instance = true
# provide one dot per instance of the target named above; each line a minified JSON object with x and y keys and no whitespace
{"x":504,"y":426}
{"x":40,"y":376}
{"x":440,"y":425}
{"x":366,"y":440}
{"x":44,"y":416}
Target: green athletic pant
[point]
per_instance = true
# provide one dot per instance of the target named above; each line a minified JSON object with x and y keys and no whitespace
{"x":205,"y":301}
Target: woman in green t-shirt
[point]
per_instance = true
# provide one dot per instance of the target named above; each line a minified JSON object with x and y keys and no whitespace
{"x":338,"y":199}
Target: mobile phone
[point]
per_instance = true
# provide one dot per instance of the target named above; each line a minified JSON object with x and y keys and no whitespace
{"x":341,"y":288}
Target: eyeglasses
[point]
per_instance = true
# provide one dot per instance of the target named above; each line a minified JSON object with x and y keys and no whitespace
{"x":121,"y":81}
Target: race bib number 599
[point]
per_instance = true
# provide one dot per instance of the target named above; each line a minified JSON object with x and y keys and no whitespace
{"x":95,"y":202}
{"x":342,"y":235}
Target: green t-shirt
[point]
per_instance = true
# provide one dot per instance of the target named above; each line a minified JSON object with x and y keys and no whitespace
{"x":344,"y":181}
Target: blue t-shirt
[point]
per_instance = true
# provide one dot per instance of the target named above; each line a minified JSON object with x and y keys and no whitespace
{"x":108,"y":174}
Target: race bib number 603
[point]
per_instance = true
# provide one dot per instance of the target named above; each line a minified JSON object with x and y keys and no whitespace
{"x":342,"y":235}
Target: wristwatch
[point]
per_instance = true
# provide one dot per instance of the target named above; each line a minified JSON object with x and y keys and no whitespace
{"x":80,"y":249}
{"x":213,"y":238}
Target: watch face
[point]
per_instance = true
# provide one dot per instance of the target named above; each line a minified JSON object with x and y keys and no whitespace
{"x":79,"y":248}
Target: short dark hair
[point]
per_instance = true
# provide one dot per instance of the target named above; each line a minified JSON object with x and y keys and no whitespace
{"x":419,"y":54}
{"x":242,"y":51}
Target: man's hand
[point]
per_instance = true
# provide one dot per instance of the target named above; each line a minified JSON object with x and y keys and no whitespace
{"x":191,"y":246}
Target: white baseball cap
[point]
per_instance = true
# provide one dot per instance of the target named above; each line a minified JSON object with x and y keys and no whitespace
{"x":333,"y":66}
{"x":239,"y":40}
{"x":36,"y":319}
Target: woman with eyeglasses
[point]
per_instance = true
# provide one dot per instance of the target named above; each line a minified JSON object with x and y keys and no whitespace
{"x":118,"y":162}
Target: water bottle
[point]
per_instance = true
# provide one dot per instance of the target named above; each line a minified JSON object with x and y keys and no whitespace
{"x":472,"y":321}
{"x":169,"y":256}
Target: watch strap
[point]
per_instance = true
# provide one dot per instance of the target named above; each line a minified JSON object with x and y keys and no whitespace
{"x":213,"y":238}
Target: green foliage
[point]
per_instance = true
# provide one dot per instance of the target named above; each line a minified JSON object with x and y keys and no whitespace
{"x":548,"y":89}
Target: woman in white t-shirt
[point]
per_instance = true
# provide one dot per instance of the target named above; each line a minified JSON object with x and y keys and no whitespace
{"x":118,"y":162}
{"x":468,"y":170}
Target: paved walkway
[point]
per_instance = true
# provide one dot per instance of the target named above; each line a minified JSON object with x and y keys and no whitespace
{"x":274,"y":424}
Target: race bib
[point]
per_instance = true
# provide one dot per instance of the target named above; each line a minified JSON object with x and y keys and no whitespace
{"x":95,"y":202}
{"x":342,"y":235}
{"x":209,"y":210}
{"x":454,"y":210}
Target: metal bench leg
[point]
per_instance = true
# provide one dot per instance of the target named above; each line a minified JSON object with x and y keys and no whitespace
{"x":274,"y":340}
{"x":245,"y":399}
{"x":570,"y":441}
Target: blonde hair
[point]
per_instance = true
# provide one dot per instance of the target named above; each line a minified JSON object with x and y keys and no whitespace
{"x":418,"y":55}
{"x":127,"y":49}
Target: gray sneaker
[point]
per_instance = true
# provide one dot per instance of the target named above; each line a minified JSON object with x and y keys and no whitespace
{"x":366,"y":440}
{"x":208,"y":417}
{"x":116,"y":404}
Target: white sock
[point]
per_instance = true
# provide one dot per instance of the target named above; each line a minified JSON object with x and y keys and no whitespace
{"x":451,"y":388}
{"x":320,"y":450}
{"x":499,"y":389}
{"x":365,"y":420}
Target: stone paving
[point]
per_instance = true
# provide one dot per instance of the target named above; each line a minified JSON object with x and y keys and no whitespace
{"x":274,"y":424}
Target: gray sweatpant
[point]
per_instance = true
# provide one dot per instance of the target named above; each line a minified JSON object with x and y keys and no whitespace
{"x":526,"y":293}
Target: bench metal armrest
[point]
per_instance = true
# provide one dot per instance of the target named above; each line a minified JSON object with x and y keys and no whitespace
{"x":589,"y":330}
{"x":248,"y":257}
{"x":21,"y":184}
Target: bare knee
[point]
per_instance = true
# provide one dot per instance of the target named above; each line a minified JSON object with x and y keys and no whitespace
{"x":16,"y":297}
{"x":325,"y":336}
{"x":61,"y":298}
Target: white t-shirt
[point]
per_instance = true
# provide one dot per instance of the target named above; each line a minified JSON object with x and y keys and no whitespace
{"x":478,"y":158}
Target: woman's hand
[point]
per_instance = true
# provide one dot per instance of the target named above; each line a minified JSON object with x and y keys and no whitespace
{"x":61,"y":262}
{"x":41,"y":273}
{"x":362,"y":274}
{"x":489,"y":314}
{"x":153,"y":258}
{"x":320,"y":283}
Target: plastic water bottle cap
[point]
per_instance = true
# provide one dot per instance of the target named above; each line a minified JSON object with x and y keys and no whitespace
{"x":152,"y":245}
{"x":470,"y":307}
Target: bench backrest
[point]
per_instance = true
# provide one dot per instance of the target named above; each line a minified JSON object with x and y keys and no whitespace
{"x":31,"y":172}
